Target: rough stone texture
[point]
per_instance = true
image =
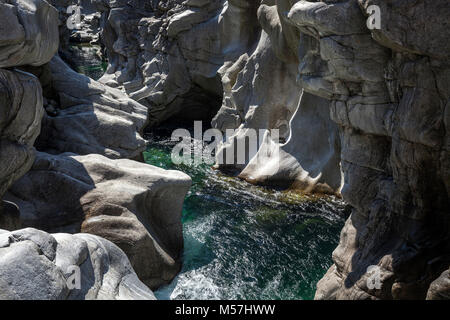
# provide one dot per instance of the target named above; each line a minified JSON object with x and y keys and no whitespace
{"x":166,"y":54}
{"x":20,"y":120}
{"x":390,"y":97}
{"x":180,"y":58}
{"x":47,"y":264}
{"x":440,"y":288}
{"x":28,"y":32}
{"x":85,"y":116}
{"x":134,"y":205}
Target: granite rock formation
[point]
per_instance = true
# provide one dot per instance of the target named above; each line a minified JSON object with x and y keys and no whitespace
{"x":28,"y":35}
{"x":63,"y":266}
{"x":28,"y":32}
{"x":20,"y":118}
{"x":134,"y":205}
{"x":293,"y":65}
{"x":308,"y":161}
{"x":390,"y":98}
{"x":85,"y":116}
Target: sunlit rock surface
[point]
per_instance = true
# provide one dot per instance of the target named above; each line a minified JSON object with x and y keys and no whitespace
{"x":134,"y":205}
{"x":62,"y":266}
{"x":20,"y":122}
{"x":308,"y":161}
{"x":252,"y":65}
{"x":182,"y":58}
{"x":89,"y":117}
{"x":137,"y":206}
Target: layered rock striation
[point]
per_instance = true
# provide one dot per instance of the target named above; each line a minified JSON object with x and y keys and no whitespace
{"x":390,"y":97}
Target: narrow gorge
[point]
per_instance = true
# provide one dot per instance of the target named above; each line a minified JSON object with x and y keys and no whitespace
{"x":326,"y":129}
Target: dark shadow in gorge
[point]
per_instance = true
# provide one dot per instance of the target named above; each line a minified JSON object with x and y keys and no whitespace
{"x":200,"y":103}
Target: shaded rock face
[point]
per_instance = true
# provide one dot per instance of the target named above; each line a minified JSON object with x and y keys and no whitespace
{"x":20,"y":119}
{"x":48,"y":263}
{"x":390,"y":98}
{"x":440,"y":288}
{"x":261,"y":92}
{"x":28,"y":32}
{"x":85,"y":116}
{"x":134,"y":205}
{"x":164,"y":54}
{"x":28,"y":35}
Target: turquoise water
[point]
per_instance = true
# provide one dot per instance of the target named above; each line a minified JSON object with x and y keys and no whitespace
{"x":88,"y":60}
{"x":248,"y":242}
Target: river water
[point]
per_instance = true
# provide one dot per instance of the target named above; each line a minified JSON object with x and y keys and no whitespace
{"x":248,"y":242}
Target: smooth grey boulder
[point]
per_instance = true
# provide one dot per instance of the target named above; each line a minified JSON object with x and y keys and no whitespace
{"x":134,"y":205}
{"x":89,"y":117}
{"x":261,"y":95}
{"x":28,"y":32}
{"x":35,"y":265}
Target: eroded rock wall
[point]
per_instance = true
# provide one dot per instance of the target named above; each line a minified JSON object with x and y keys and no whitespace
{"x":185,"y":59}
{"x":390,"y":97}
{"x":137,"y":206}
{"x":28,"y":35}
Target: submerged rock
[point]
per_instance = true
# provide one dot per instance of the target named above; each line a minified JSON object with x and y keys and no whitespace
{"x":136,"y":206}
{"x":35,"y":265}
